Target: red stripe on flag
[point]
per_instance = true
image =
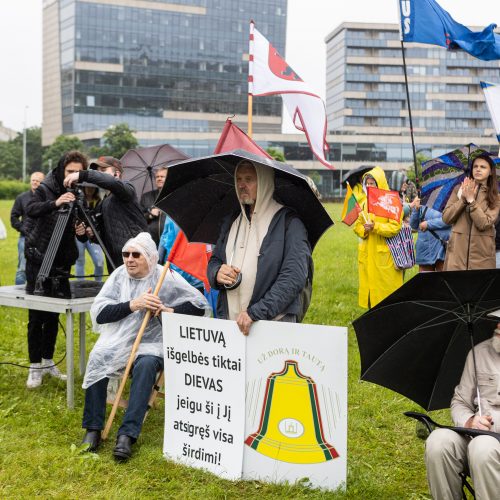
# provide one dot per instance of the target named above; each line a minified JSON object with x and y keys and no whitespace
{"x":190,"y":257}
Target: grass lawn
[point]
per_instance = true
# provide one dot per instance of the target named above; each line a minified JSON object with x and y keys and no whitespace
{"x":39,"y":436}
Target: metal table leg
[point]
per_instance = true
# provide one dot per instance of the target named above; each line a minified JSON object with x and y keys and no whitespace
{"x":82,"y":339}
{"x":70,"y":388}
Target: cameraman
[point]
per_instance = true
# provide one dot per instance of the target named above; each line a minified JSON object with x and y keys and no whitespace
{"x":119,"y":212}
{"x":43,"y":213}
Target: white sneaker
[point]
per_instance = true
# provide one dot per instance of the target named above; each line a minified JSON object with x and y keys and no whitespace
{"x":51,"y":369}
{"x":34,"y":376}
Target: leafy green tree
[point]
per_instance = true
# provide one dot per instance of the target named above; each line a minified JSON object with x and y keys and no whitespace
{"x":34,"y":148}
{"x":61,"y":145}
{"x":118,"y":139}
{"x":276,"y":153}
{"x":421,"y":158}
{"x":11,"y":160}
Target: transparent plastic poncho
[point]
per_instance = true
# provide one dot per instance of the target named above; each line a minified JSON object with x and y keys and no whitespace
{"x":112,"y":350}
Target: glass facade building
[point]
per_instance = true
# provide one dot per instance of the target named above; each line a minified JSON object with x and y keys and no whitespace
{"x":366,"y":96}
{"x":175,"y":70}
{"x":177,"y":66}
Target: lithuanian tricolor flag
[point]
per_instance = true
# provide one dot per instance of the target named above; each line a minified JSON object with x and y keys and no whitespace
{"x":351,"y":208}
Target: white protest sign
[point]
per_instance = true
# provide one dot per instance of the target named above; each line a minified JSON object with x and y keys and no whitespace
{"x":296,"y":404}
{"x":204,"y":393}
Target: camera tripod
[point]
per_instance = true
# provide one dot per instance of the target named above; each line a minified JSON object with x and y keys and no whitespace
{"x":57,"y":285}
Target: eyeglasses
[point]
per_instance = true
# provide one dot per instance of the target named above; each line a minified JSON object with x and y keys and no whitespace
{"x":135,"y":255}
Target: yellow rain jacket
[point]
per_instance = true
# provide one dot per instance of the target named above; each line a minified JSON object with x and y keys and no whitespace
{"x":378,"y":276}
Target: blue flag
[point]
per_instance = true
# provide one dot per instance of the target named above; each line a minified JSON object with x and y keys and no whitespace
{"x":425,"y":21}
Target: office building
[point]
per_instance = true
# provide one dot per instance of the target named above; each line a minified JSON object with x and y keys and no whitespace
{"x":174,"y":70}
{"x":366,"y":97}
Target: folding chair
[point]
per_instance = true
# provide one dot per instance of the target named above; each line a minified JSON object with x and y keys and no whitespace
{"x":156,"y":392}
{"x":430,"y":425}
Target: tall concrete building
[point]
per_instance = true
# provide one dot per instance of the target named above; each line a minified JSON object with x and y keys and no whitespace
{"x":366,"y":97}
{"x":174,"y":70}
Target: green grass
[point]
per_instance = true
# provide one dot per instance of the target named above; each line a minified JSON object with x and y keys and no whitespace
{"x":39,"y":436}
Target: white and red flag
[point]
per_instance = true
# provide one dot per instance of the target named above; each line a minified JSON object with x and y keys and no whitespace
{"x":269,"y":74}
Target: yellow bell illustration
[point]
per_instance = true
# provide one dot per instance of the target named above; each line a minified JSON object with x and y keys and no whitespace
{"x":290,"y":427}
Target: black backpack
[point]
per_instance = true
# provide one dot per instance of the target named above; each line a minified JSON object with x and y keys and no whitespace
{"x":305,"y":294}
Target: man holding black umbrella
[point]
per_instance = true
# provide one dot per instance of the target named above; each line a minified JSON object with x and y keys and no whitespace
{"x":447,"y":453}
{"x":262,"y":259}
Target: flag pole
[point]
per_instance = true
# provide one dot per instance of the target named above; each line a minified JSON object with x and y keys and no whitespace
{"x":250,"y":108}
{"x":250,"y":80}
{"x":401,"y":37}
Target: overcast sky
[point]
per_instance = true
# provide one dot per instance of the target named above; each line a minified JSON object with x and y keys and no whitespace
{"x":309,"y":21}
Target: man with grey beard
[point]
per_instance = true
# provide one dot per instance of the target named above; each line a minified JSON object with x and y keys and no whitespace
{"x":262,"y":258}
{"x":448,"y":453}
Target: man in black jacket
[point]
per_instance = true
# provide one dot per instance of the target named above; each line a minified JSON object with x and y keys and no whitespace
{"x":43,"y":213}
{"x":154,"y":216}
{"x":18,"y":222}
{"x":263,"y":246}
{"x":119,"y":212}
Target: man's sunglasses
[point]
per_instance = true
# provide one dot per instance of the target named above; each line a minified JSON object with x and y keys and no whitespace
{"x":135,"y":255}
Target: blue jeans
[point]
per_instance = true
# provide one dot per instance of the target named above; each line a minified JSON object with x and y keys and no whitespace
{"x":97,"y":256}
{"x":21,"y":262}
{"x":144,"y":373}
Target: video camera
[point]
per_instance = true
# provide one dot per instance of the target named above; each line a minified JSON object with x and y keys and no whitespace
{"x":54,"y":282}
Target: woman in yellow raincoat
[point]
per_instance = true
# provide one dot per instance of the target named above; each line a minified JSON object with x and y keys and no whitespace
{"x":378,"y":276}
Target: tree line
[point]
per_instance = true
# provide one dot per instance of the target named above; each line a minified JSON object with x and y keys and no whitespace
{"x":116,"y":141}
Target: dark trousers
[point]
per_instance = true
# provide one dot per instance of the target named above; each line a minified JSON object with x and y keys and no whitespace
{"x":42,"y":334}
{"x":42,"y":325}
{"x":144,"y":372}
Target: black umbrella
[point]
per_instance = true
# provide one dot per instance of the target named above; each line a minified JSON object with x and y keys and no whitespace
{"x":200,"y":192}
{"x":415,"y":341}
{"x":139,"y":165}
{"x":354,"y":175}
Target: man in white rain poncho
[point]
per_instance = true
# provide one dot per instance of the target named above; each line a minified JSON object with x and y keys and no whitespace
{"x":117,"y":314}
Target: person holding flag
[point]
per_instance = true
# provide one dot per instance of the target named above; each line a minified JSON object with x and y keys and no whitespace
{"x":378,"y":219}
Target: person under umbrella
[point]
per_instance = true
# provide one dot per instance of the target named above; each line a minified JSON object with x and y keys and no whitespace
{"x":448,"y":453}
{"x":154,"y":216}
{"x":472,"y":211}
{"x":262,"y":259}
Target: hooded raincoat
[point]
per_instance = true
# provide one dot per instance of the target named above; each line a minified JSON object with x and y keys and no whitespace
{"x":272,"y":252}
{"x":378,"y":276}
{"x":112,"y":350}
